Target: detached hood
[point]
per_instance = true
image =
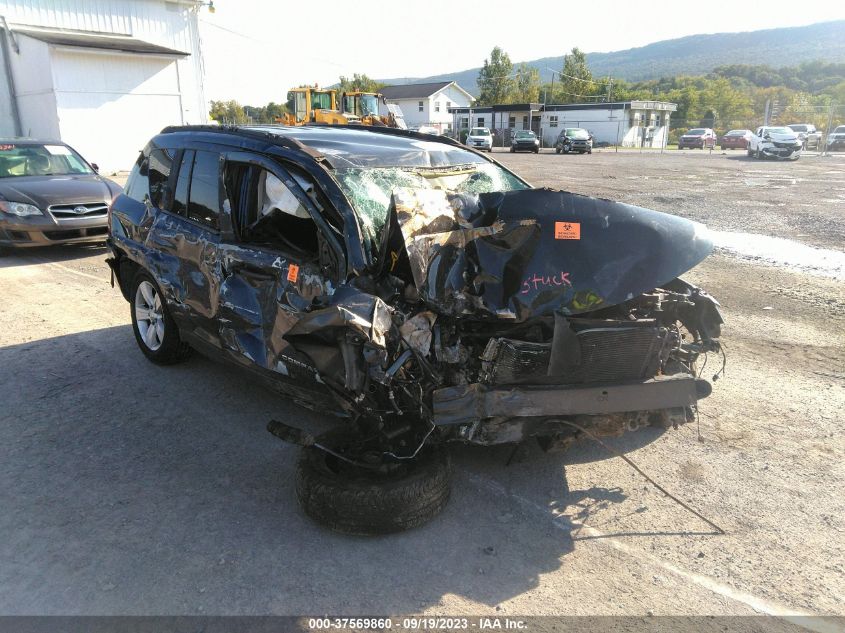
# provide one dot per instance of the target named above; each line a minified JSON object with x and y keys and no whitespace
{"x":43,"y":191}
{"x":529,"y":253}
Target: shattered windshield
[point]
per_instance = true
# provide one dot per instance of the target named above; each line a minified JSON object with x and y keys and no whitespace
{"x":369,"y":190}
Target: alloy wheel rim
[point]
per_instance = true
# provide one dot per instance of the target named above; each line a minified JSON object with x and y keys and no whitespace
{"x":149,"y":317}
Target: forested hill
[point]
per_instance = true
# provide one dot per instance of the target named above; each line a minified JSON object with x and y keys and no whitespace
{"x":691,"y":55}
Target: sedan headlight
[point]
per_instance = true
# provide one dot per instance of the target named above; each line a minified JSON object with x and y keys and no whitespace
{"x":20,"y":209}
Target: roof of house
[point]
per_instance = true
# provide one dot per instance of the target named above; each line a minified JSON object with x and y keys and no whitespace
{"x":91,"y":39}
{"x":417,"y":91}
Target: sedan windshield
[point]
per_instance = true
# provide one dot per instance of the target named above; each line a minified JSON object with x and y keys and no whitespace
{"x":369,"y":190}
{"x":577,"y":132}
{"x":696,"y":132}
{"x":736,"y":133}
{"x":35,"y":159}
{"x":777,"y":130}
{"x":839,"y":130}
{"x":524,"y":134}
{"x":479,"y":131}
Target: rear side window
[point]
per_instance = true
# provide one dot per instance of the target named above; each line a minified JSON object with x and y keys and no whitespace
{"x":183,"y":182}
{"x":138,"y":183}
{"x":160,"y":164}
{"x":204,"y":195}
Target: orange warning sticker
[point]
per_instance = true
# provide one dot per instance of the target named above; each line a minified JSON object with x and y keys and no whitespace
{"x":293,"y":273}
{"x":567,"y":230}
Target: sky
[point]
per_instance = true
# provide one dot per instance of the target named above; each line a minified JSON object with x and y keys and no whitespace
{"x":255,"y":50}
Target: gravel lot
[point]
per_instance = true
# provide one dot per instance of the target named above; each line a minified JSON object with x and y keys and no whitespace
{"x":135,"y":489}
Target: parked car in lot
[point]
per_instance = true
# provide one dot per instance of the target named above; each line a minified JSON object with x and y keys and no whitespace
{"x":331,"y":264}
{"x":836,"y":139}
{"x":775,"y":142}
{"x":736,"y":139}
{"x":574,"y":139}
{"x":480,"y":138}
{"x":525,"y":141}
{"x":808,"y":134}
{"x":698,"y":138}
{"x":49,"y":194}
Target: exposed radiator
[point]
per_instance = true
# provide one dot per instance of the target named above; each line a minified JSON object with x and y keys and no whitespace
{"x":607,"y":354}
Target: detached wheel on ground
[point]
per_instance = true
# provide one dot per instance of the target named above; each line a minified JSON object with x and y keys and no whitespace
{"x":154,"y":328}
{"x":356,"y":500}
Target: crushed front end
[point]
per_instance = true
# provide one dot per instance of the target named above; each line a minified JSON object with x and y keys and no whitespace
{"x":498,"y":317}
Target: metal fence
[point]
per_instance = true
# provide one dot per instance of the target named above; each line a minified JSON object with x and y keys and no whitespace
{"x":824,"y":118}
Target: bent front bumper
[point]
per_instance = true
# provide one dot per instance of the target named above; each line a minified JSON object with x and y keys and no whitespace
{"x":783,"y":152}
{"x":466,"y":404}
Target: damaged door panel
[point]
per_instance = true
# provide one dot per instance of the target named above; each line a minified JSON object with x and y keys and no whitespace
{"x":425,"y":292}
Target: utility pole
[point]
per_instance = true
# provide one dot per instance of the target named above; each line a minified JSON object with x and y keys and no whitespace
{"x":766,"y":113}
{"x":610,"y":89}
{"x":829,"y":125}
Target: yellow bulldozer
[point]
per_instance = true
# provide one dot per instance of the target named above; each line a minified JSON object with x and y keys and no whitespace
{"x":320,"y":105}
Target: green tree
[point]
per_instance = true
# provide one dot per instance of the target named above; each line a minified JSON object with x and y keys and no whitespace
{"x":576,"y":80}
{"x":527,"y":84}
{"x":227,"y":112}
{"x":495,"y":79}
{"x":360,"y":83}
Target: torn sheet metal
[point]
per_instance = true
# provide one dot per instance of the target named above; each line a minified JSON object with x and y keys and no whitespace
{"x":521,"y":254}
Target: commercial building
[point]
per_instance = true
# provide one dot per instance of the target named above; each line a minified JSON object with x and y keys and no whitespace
{"x":627,"y":124}
{"x":101,"y":76}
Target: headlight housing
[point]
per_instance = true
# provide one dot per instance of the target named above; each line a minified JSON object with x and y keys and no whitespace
{"x":20,"y":209}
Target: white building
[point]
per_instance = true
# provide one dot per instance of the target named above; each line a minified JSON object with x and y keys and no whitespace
{"x":627,"y":124}
{"x":428,"y":104}
{"x":101,"y":76}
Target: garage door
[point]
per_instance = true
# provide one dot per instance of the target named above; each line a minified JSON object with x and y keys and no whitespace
{"x":109,"y":105}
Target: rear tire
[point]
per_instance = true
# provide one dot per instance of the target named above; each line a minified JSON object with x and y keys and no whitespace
{"x":357,"y":501}
{"x":155,"y":330}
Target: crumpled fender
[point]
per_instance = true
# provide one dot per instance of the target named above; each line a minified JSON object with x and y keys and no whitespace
{"x":522,"y":254}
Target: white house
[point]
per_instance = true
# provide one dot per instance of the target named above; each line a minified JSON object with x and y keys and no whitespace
{"x":427,"y":104}
{"x":627,"y":124}
{"x":101,"y":76}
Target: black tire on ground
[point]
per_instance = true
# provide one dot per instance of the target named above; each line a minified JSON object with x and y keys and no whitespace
{"x":557,"y":150}
{"x":759,"y":154}
{"x":750,"y":152}
{"x":512,"y":150}
{"x":171,"y":349}
{"x":361,"y":502}
{"x":536,"y":151}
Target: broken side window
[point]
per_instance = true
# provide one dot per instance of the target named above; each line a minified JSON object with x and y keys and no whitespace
{"x":265,"y":211}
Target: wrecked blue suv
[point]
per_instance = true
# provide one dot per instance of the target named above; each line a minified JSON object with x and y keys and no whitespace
{"x":414,"y":288}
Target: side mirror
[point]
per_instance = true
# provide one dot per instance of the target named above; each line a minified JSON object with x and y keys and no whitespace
{"x":95,"y":167}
